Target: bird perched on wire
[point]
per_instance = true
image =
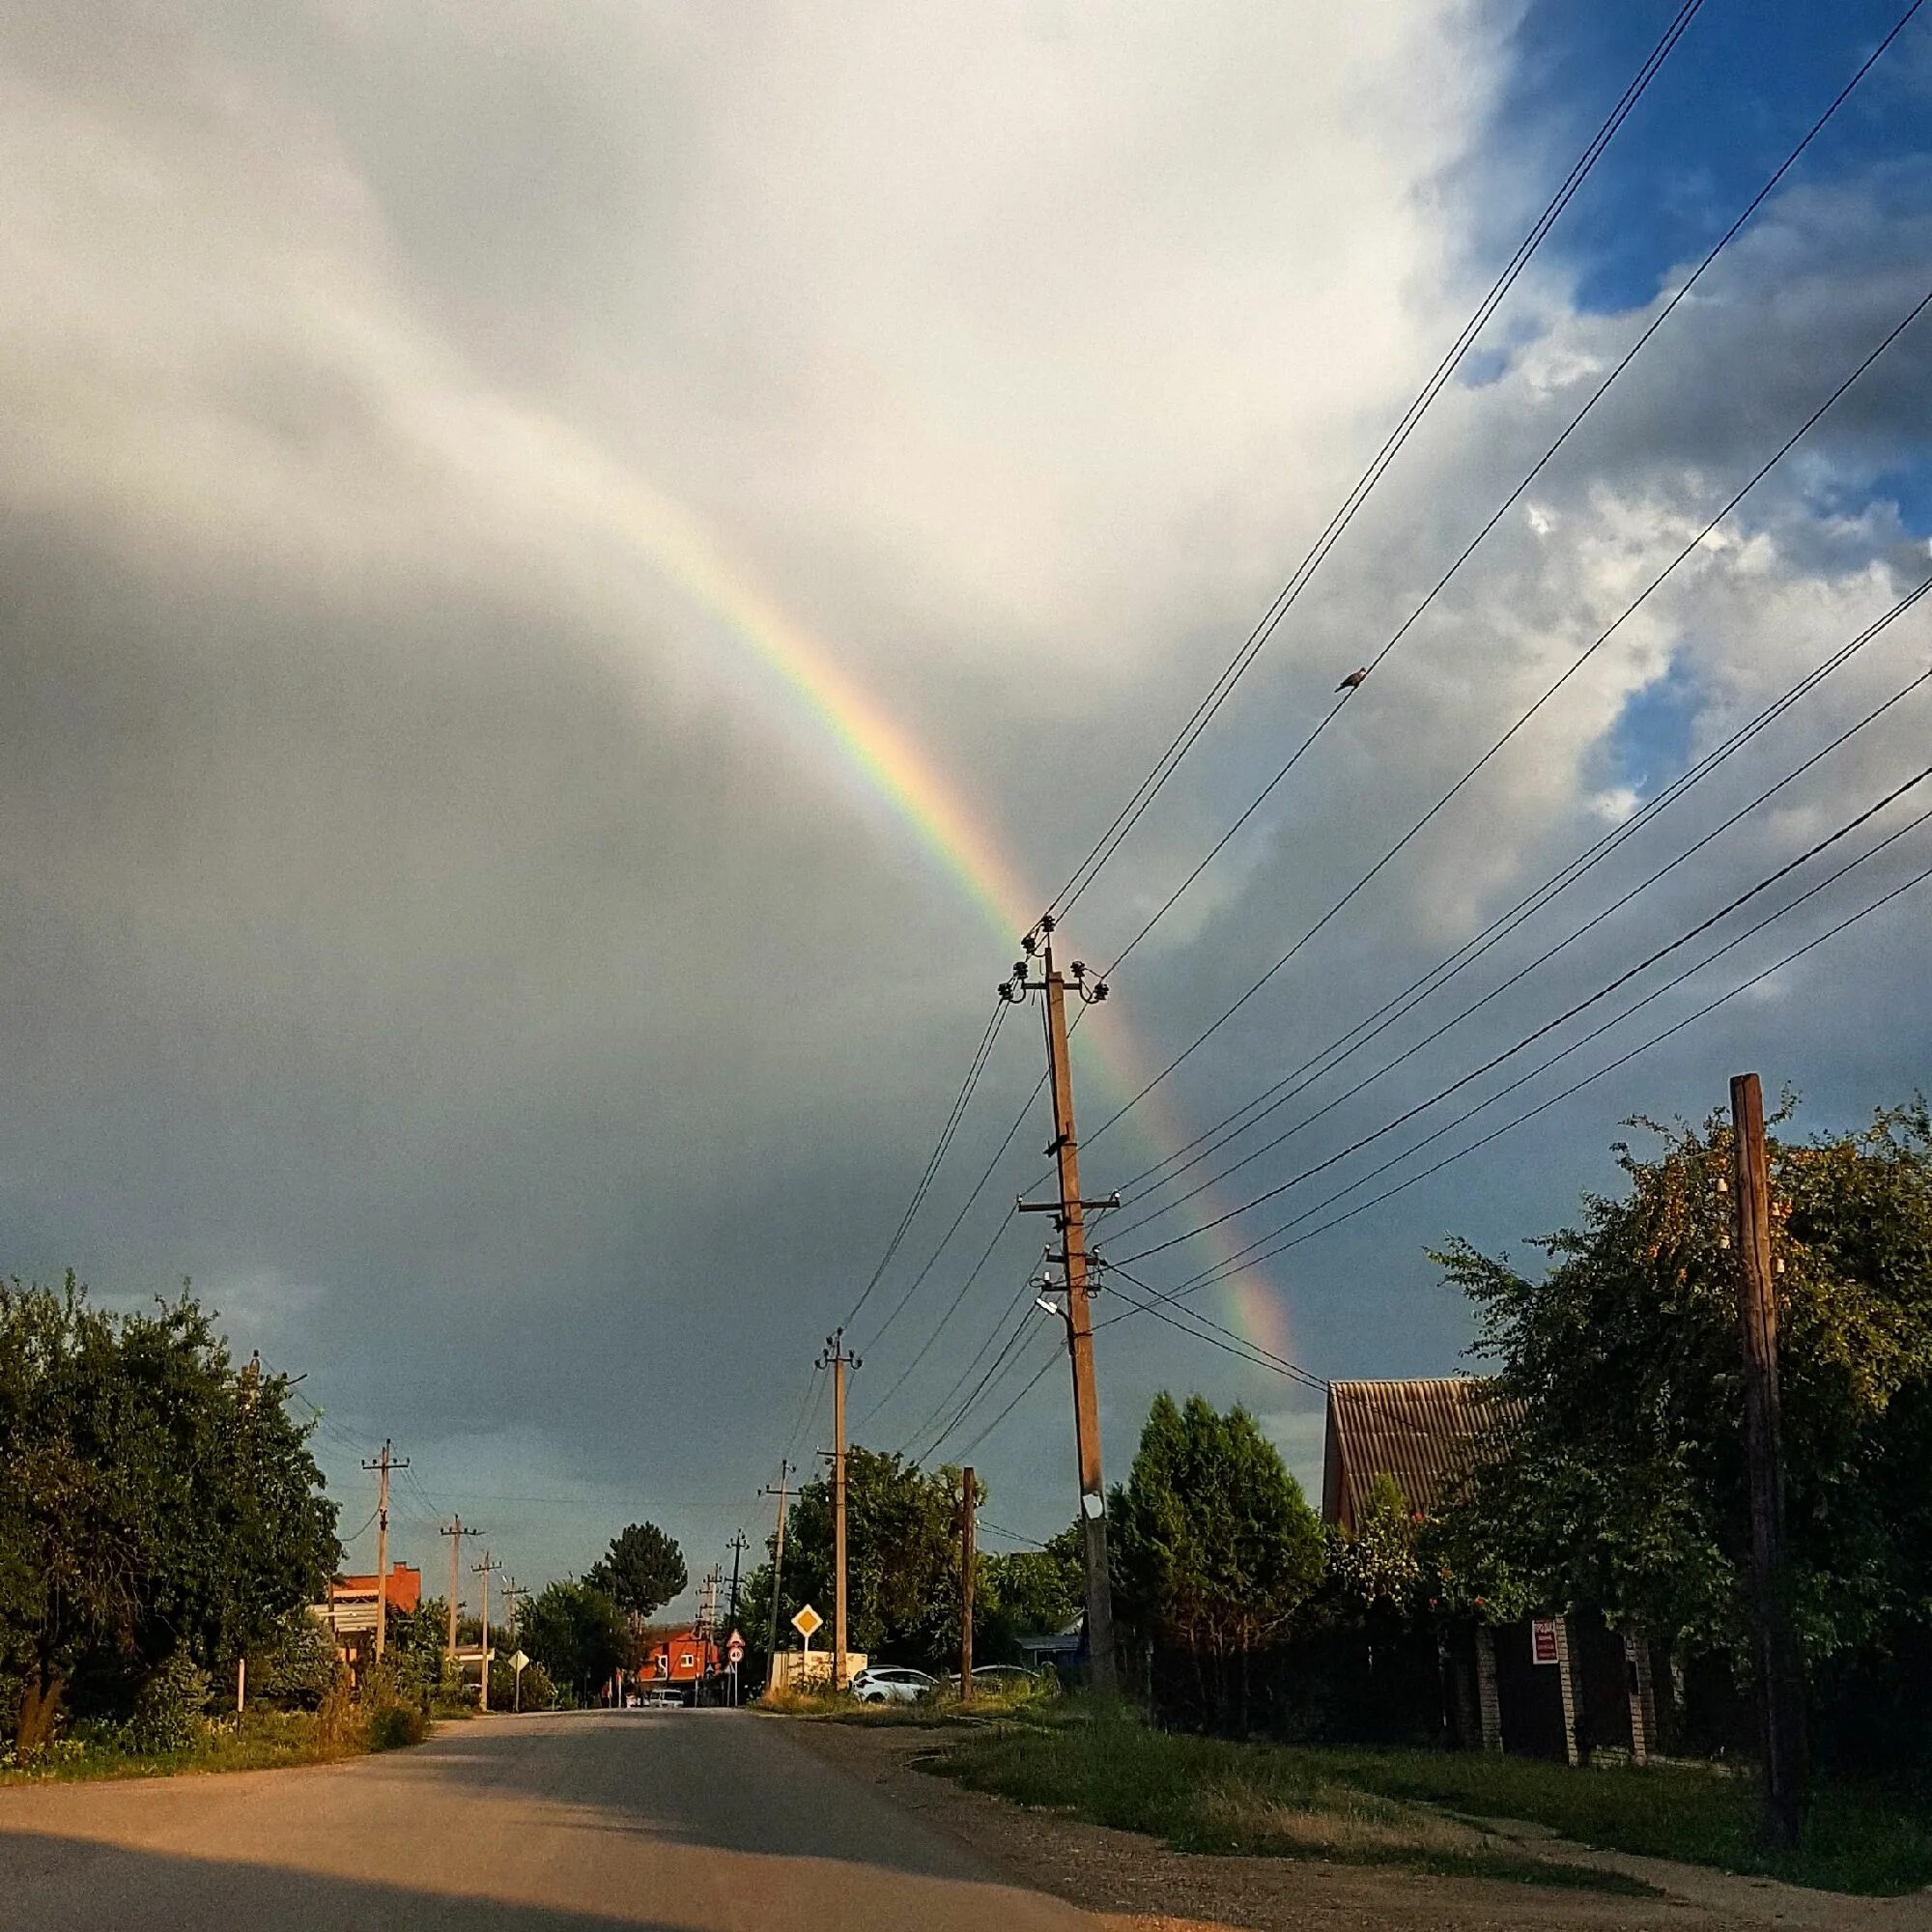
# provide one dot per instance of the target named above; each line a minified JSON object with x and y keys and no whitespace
{"x":1354,"y":678}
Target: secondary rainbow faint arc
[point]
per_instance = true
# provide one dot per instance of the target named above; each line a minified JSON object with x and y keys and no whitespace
{"x":904,"y":776}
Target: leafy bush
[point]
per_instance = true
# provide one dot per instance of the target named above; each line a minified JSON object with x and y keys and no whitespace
{"x":171,"y":1711}
{"x":392,"y":1708}
{"x":298,"y":1667}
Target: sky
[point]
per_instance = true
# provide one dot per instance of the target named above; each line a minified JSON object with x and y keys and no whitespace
{"x":574,"y":577}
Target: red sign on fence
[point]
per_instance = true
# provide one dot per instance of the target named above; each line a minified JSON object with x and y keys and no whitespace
{"x":1542,"y":1640}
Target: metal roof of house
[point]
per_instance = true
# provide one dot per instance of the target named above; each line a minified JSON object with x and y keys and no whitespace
{"x":1428,"y":1434}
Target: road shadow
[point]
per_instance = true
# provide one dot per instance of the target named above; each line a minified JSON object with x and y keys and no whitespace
{"x":78,"y":1885}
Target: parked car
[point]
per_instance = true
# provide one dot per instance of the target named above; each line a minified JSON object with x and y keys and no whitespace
{"x":892,"y":1684}
{"x":996,"y":1677}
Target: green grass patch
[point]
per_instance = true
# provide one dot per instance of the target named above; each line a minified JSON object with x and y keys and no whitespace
{"x":260,"y":1740}
{"x":1425,"y":1808}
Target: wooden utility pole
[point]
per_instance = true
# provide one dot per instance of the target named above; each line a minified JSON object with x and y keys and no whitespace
{"x":456,"y":1533}
{"x":511,"y":1593}
{"x":1781,"y":1673}
{"x":384,"y":1462}
{"x":969,"y":1500}
{"x":1070,"y":1217}
{"x":838,"y":1361}
{"x":483,"y":1570}
{"x":737,"y":1546}
{"x":778,"y":1571}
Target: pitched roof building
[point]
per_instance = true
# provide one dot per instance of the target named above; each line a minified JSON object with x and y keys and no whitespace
{"x":1427,"y":1433}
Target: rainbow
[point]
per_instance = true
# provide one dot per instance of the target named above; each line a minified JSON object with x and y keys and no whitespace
{"x":536,"y":458}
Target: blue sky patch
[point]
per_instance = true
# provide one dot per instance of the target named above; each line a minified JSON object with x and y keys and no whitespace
{"x":1745,"y":82}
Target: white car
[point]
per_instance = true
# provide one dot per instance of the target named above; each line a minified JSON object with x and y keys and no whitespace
{"x":893,"y":1684}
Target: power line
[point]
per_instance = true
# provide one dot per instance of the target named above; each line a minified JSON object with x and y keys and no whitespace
{"x":1536,"y":469}
{"x":913,"y":1287}
{"x":1224,"y":1339}
{"x":952,"y":1307}
{"x":1689,"y":550}
{"x":1522,"y":973}
{"x":1218,"y":693}
{"x":1448,"y":968}
{"x":1268,"y":1247}
{"x":1550,"y":1026}
{"x":1016,"y":1337}
{"x":980,"y":1055}
{"x":1037,"y":1377}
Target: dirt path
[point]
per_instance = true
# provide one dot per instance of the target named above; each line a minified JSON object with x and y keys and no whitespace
{"x":1123,"y":1873}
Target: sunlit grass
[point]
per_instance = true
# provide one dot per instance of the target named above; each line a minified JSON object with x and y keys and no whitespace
{"x":1426,"y":1809}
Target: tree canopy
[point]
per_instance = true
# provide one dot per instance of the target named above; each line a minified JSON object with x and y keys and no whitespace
{"x":153,"y":1499}
{"x":577,"y":1633}
{"x":1625,"y":1487}
{"x":1215,"y":1546}
{"x":642,"y":1571}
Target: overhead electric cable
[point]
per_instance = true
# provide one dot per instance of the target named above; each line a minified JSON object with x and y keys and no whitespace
{"x":981,"y":1053}
{"x":1015,"y":1338}
{"x":1524,"y":971}
{"x":1038,"y":1376}
{"x":1224,"y":1339}
{"x":1202,"y":714}
{"x":1242,"y":1257}
{"x":1237,"y":1123}
{"x":1508,"y":502}
{"x":952,"y":1307}
{"x":1550,"y":1026}
{"x":1267,"y":1252}
{"x":1790,"y":442}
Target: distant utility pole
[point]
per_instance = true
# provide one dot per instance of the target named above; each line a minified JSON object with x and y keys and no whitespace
{"x":838,"y":1361}
{"x":456,"y":1533}
{"x":1781,"y":1674}
{"x":483,"y":1570}
{"x":384,"y":1462}
{"x":737,"y":1546}
{"x":777,"y":1571}
{"x":969,"y":1500}
{"x":512,"y":1594}
{"x":1070,"y":1219}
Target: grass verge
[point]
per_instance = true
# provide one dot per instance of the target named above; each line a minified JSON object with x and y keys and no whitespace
{"x":260,"y":1740}
{"x":1427,"y":1810}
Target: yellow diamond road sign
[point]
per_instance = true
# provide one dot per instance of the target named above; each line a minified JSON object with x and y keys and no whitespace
{"x":807,"y":1623}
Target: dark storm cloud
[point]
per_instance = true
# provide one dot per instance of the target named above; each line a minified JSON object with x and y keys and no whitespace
{"x":452,"y":944}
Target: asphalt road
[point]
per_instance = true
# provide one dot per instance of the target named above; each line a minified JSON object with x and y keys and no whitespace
{"x":683,"y":1821}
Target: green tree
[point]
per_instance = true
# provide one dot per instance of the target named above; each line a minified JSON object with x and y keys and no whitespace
{"x":903,"y":1563}
{"x":1624,"y":1487}
{"x":1213,"y":1544}
{"x":643,"y":1569}
{"x":1026,"y":1593}
{"x":577,"y":1633}
{"x":152,"y":1499}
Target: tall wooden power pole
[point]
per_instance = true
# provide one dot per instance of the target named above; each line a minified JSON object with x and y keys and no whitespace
{"x":456,"y":1533}
{"x":778,"y":1571}
{"x":513,"y":1594}
{"x":384,"y":1462}
{"x":1781,"y":1674}
{"x":1070,"y":1217}
{"x":483,"y":1570}
{"x":737,"y":1546}
{"x":969,"y":1501}
{"x":838,"y":1361}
